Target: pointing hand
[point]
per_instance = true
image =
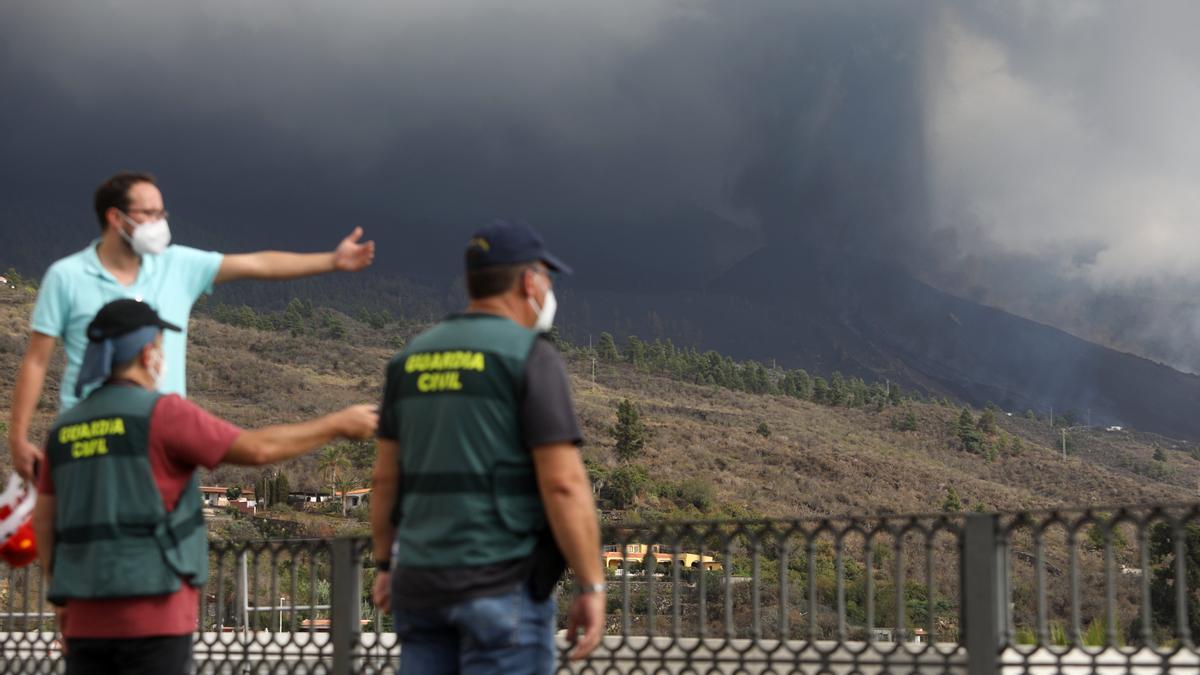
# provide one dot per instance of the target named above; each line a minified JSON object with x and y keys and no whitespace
{"x":360,"y":421}
{"x":351,"y":255}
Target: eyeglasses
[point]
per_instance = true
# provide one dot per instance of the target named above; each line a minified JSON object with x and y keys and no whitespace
{"x":153,"y":214}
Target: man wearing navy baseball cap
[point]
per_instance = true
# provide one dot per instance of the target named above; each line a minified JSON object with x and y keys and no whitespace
{"x":478,"y":453}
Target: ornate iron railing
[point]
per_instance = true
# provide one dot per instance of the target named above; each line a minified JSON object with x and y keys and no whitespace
{"x":1076,"y":590}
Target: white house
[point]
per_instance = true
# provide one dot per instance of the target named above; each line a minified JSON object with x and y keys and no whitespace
{"x":354,"y":498}
{"x":916,"y":636}
{"x":216,"y":496}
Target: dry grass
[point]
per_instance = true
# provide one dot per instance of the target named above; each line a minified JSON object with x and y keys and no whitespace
{"x":817,"y":460}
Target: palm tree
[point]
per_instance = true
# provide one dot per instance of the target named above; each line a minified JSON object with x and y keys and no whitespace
{"x":335,"y":464}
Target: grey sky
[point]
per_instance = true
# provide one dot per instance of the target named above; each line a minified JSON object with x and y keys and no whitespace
{"x":985,"y":145}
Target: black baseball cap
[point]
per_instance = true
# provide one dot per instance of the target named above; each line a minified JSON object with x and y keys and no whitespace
{"x":510,"y":242}
{"x":121,"y":317}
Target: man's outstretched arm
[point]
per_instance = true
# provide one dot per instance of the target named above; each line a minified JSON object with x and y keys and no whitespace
{"x":351,"y":255}
{"x":278,"y":443}
{"x":30,"y":380}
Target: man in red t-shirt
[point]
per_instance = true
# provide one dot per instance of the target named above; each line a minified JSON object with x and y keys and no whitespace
{"x":153,"y":634}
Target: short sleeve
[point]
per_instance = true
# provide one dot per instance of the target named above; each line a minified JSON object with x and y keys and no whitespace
{"x":50,"y":310}
{"x":546,"y":411}
{"x":197,"y":269}
{"x":389,"y":407}
{"x":189,"y":434}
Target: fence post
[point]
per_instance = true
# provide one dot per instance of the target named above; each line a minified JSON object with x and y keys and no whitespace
{"x":984,"y":593}
{"x":344,"y":626}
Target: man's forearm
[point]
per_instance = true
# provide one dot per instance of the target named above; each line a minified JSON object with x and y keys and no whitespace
{"x":385,"y":489}
{"x":383,"y":500}
{"x":30,"y":380}
{"x":572,"y":515}
{"x":278,"y":443}
{"x":275,"y":265}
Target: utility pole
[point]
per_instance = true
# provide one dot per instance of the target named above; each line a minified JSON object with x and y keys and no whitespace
{"x":1051,"y":417}
{"x":1064,"y":444}
{"x":593,"y":353}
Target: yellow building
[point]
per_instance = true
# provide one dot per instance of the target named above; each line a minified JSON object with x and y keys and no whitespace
{"x":636,"y":553}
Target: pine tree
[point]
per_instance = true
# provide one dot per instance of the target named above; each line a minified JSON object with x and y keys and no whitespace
{"x":1017,"y":447}
{"x":630,"y":432}
{"x":820,"y":390}
{"x":797,"y":383}
{"x":281,"y":489}
{"x":763,"y":430}
{"x":907,"y":422}
{"x":606,"y":348}
{"x":987,"y":421}
{"x":968,"y":433}
{"x":952,"y":504}
{"x":261,"y":491}
{"x":837,"y":389}
{"x":635,"y":351}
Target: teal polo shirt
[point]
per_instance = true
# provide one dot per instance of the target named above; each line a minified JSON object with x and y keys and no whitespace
{"x":77,"y":286}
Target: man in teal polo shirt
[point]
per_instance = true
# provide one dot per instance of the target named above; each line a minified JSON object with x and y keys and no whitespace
{"x":133,"y":259}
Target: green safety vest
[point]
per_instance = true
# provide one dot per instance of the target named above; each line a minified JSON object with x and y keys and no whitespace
{"x":469,"y":495}
{"x":113,"y":538}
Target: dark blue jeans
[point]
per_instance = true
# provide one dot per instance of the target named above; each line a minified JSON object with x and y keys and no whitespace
{"x":511,"y":634}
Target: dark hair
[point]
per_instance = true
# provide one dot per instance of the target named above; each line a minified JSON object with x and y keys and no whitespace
{"x":488,"y":281}
{"x":114,"y":192}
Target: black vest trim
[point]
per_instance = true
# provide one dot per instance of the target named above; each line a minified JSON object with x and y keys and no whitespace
{"x":469,"y":483}
{"x":88,"y":533}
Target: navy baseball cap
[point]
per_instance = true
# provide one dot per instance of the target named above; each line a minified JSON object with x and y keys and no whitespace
{"x":510,"y":242}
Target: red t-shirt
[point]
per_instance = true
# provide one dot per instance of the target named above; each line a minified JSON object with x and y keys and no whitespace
{"x":182,"y":437}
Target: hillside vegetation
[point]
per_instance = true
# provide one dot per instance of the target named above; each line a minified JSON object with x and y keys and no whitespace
{"x":709,"y":450}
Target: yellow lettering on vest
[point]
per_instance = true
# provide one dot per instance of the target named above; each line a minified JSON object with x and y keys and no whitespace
{"x":89,"y":448}
{"x":83,"y":431}
{"x":429,"y":382}
{"x":447,"y":361}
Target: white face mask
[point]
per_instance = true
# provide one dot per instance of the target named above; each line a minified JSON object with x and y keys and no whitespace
{"x":158,"y":369}
{"x":148,"y":238}
{"x":545,"y":313}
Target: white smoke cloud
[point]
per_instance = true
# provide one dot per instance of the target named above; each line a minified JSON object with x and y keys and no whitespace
{"x":1068,"y":132}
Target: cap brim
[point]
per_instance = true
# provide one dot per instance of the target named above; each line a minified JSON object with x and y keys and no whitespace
{"x":553,"y":262}
{"x":166,"y":325}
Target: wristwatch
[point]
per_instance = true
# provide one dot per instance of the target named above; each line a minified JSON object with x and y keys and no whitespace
{"x":383,"y":565}
{"x":599,"y":587}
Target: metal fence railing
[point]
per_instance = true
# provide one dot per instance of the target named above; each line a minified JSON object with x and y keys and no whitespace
{"x":1072,"y":591}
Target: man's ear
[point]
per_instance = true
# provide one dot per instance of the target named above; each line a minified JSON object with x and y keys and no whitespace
{"x":112,"y":218}
{"x":528,"y":285}
{"x":147,"y":352}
